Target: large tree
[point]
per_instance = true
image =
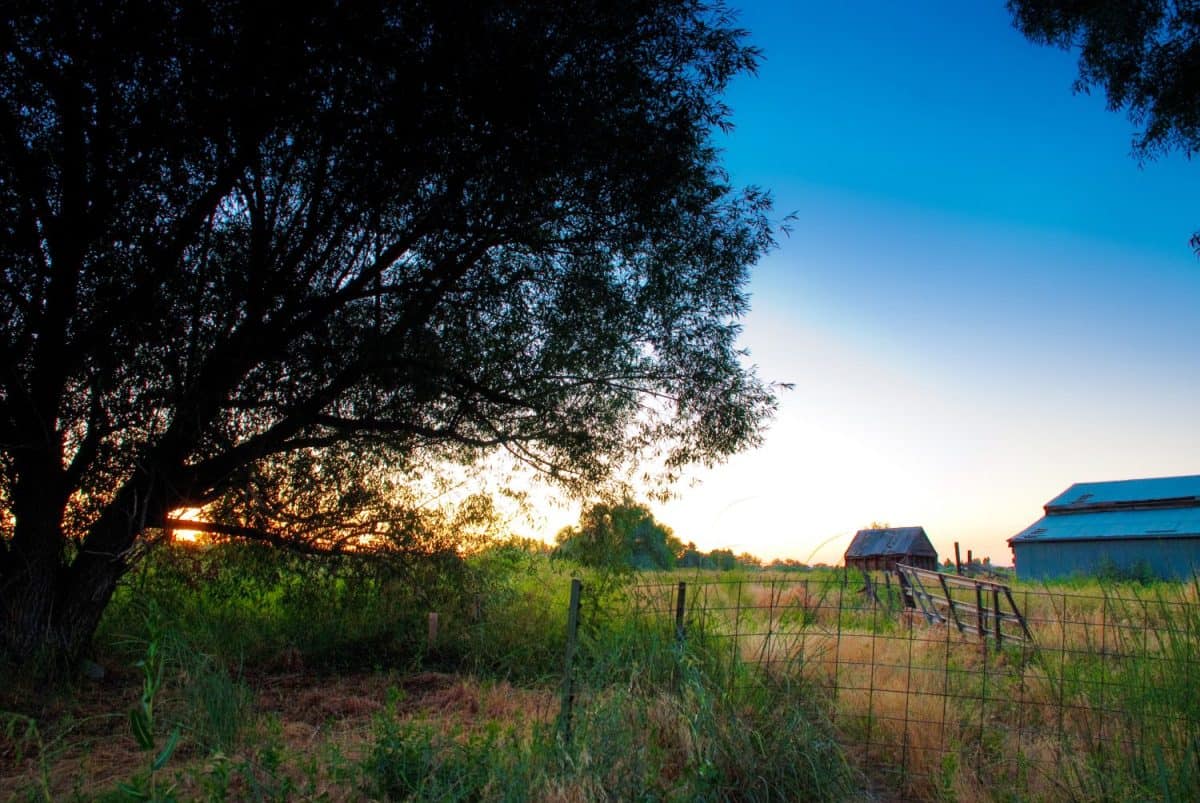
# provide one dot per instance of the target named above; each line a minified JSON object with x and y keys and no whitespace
{"x":1145,"y":54}
{"x":265,"y":257}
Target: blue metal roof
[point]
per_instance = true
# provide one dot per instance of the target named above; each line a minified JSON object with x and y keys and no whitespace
{"x":890,"y":541}
{"x":1173,"y":522}
{"x":1152,"y":491}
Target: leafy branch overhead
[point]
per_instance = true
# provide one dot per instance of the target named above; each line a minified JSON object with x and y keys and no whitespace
{"x":1145,"y":54}
{"x":254,"y":254}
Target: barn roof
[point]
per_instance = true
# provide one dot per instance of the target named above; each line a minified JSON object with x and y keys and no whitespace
{"x":1126,"y":494}
{"x":1178,"y":522}
{"x":890,"y":541}
{"x":1157,"y":507}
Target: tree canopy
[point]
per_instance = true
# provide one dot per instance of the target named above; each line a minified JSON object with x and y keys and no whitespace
{"x":273,"y":260}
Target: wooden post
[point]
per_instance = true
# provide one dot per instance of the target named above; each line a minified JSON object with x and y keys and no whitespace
{"x":905,"y":590}
{"x":957,"y":561}
{"x":568,"y":685}
{"x":433,"y":629}
{"x":680,"y":601}
{"x":970,"y":564}
{"x":996,"y":614}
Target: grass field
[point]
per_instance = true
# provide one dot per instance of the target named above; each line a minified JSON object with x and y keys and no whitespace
{"x":292,"y":679}
{"x":1098,"y":706}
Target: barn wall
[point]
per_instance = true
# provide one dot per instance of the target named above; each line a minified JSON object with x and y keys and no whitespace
{"x":888,"y":562}
{"x":1168,"y":558}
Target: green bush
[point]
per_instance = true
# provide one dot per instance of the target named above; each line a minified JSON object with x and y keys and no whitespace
{"x":252,"y":604}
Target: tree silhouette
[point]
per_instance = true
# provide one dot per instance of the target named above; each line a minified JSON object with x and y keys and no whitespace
{"x":269,"y":258}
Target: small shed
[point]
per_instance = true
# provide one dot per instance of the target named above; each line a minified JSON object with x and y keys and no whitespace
{"x":883,"y":548}
{"x":1135,"y":527}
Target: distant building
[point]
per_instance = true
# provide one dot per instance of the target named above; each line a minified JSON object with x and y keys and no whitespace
{"x":1132,"y":527}
{"x":884,"y":548}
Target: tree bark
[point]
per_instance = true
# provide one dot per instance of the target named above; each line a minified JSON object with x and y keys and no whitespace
{"x":51,"y":605}
{"x":48,"y":616}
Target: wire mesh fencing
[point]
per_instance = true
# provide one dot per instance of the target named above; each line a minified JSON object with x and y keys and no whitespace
{"x":1099,"y":702}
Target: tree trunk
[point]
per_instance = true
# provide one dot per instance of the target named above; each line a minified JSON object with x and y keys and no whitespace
{"x":32,"y":568}
{"x":49,"y":607}
{"x":47,"y":623}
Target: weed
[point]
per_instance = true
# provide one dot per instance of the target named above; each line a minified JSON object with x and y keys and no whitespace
{"x":142,"y":723}
{"x":416,"y":761}
{"x":23,"y":734}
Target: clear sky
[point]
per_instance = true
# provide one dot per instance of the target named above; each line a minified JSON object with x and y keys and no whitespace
{"x":984,"y":297}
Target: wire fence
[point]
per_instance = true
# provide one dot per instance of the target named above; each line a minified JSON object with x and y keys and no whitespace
{"x":1098,"y":702}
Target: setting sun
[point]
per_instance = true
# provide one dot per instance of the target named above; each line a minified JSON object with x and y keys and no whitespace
{"x":184,"y":514}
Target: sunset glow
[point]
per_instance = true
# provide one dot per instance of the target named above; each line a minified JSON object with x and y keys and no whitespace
{"x":186,"y":514}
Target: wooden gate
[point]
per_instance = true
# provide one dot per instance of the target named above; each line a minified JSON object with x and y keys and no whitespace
{"x":972,"y":605}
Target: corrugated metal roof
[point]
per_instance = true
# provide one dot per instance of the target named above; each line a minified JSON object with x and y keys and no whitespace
{"x":1085,"y":526}
{"x":1084,"y":495}
{"x":890,"y":541}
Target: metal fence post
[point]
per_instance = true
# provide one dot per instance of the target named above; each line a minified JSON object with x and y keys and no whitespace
{"x":680,"y":601}
{"x":568,"y":684}
{"x":737,"y":637}
{"x":980,"y":613}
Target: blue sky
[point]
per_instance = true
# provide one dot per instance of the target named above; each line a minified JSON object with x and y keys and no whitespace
{"x":984,"y":297}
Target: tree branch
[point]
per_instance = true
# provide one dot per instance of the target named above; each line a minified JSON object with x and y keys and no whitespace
{"x":255,"y":534}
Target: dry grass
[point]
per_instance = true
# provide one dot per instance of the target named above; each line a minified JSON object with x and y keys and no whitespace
{"x":88,"y":747}
{"x":964,"y":720}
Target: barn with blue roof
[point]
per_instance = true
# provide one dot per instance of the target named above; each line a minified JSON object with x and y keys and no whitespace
{"x":1131,"y":527}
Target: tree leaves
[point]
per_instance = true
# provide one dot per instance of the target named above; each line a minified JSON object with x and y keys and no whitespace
{"x":1145,"y":54}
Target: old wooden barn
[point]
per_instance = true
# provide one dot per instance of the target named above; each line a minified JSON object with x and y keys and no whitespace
{"x":883,"y":548}
{"x":1127,"y":527}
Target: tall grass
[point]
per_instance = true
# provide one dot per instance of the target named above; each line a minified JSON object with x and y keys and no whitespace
{"x":1127,"y":685}
{"x":682,"y":715}
{"x":1099,"y":707}
{"x":413,"y":760}
{"x":255,"y":605}
{"x":777,"y":688}
{"x":654,"y":718}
